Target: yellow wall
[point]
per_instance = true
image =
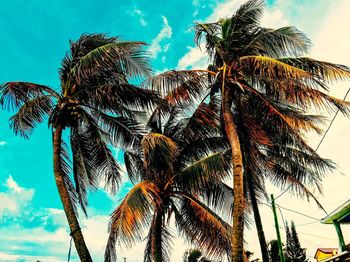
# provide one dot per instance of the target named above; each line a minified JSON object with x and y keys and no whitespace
{"x":322,"y":256}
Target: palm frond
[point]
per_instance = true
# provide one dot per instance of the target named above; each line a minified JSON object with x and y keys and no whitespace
{"x":178,"y":85}
{"x":14,"y":94}
{"x":270,"y":68}
{"x":134,"y":166}
{"x":247,"y":15}
{"x":203,"y":227}
{"x":96,"y":151}
{"x":325,"y":71}
{"x":159,"y":151}
{"x":65,"y":170}
{"x":31,"y":113}
{"x":203,"y":123}
{"x":198,"y":175}
{"x":125,"y":56}
{"x":85,"y":176}
{"x":159,"y":240}
{"x":132,"y":216}
{"x":280,"y":42}
{"x":121,"y":99}
{"x":122,"y":131}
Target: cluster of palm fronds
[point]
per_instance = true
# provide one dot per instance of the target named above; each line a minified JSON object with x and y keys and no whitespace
{"x":184,"y":133}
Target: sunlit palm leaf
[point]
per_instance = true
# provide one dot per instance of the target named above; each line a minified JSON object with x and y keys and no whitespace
{"x":324,"y":70}
{"x":270,"y":68}
{"x":132,"y":217}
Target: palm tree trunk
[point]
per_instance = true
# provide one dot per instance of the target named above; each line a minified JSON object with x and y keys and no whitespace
{"x":258,"y":223}
{"x":76,"y":233}
{"x":238,"y":199}
{"x":157,"y":238}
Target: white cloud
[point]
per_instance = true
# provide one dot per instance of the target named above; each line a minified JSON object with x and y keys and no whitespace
{"x":2,"y":143}
{"x":194,"y":58}
{"x":164,"y":34}
{"x":141,"y":15}
{"x":14,"y":199}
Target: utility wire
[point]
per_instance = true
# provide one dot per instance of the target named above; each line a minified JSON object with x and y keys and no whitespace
{"x":312,"y":235}
{"x":298,"y":213}
{"x":323,"y":137}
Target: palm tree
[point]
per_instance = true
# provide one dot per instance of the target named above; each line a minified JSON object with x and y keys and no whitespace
{"x":262,"y":66}
{"x":96,"y":103}
{"x":283,"y":160}
{"x":177,"y":171}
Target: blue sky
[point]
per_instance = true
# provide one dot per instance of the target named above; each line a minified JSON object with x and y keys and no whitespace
{"x":35,"y":36}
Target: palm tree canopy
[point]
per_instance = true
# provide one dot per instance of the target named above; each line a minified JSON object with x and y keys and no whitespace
{"x":172,"y":177}
{"x":96,"y":102}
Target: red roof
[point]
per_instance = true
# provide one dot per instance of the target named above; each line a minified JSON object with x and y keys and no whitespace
{"x":327,"y":249}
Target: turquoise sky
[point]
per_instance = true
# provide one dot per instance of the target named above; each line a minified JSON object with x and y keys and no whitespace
{"x":34,"y":38}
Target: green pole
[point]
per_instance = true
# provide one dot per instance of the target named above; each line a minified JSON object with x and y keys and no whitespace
{"x":340,"y":235}
{"x":280,"y":249}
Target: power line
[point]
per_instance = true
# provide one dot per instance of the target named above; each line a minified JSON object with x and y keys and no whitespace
{"x":323,"y":137}
{"x":313,"y":235}
{"x":325,"y":133}
{"x":299,"y":213}
{"x":304,"y":224}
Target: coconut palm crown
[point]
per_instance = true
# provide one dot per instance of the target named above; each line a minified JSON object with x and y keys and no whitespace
{"x":177,"y":170}
{"x":97,"y":104}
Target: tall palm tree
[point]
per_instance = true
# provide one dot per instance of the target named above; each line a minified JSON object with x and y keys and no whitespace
{"x":97,"y":104}
{"x":176,"y":171}
{"x":283,"y":161}
{"x":263,"y":66}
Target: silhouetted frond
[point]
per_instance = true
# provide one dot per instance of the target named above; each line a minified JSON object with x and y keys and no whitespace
{"x":30,"y":114}
{"x":14,"y":94}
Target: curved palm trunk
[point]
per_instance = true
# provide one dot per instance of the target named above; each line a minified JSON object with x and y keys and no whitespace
{"x":238,"y":199}
{"x":157,"y":238}
{"x":258,"y":223}
{"x":76,"y":233}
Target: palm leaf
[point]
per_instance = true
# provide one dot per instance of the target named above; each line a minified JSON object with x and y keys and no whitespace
{"x":132,"y":216}
{"x":134,"y":166}
{"x":203,"y":227}
{"x":280,"y":42}
{"x":124,"y":55}
{"x":31,"y":113}
{"x":198,"y":175}
{"x":14,"y":94}
{"x":270,"y":68}
{"x":159,"y":240}
{"x":178,"y":85}
{"x":159,"y":152}
{"x":324,"y":70}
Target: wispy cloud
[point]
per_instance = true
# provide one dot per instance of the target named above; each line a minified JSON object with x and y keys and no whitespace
{"x":164,"y":34}
{"x":2,"y":143}
{"x":140,"y":14}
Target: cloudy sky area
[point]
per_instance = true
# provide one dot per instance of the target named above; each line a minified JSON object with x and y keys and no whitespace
{"x":35,"y":37}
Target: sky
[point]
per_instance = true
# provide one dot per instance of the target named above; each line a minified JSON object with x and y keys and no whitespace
{"x":34,"y":38}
